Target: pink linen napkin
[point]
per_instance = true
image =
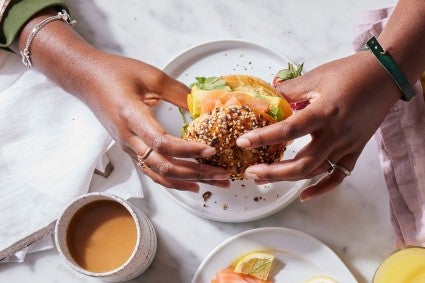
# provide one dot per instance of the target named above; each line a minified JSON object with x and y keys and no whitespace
{"x":401,"y":145}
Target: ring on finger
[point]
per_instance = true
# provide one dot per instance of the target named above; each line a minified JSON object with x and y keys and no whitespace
{"x":141,"y":159}
{"x":339,"y":167}
{"x":142,"y":165}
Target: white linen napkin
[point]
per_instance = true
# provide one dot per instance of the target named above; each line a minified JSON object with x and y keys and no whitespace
{"x":400,"y":140}
{"x":50,"y":145}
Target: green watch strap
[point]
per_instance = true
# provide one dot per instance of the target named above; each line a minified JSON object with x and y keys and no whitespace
{"x":392,"y":69}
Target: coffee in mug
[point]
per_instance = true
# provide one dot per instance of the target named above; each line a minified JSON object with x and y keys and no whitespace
{"x":104,"y":236}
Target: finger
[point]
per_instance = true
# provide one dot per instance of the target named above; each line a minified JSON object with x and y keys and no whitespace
{"x":325,"y":184}
{"x":295,"y":126}
{"x":310,"y":159}
{"x":264,"y":182}
{"x":169,"y":89}
{"x":324,"y":167}
{"x":180,"y":169}
{"x":175,"y":92}
{"x":300,"y":88}
{"x":185,"y":169}
{"x":149,"y":132}
{"x":176,"y":168}
{"x":225,"y":184}
{"x":171,"y":183}
{"x":278,"y":171}
{"x":331,"y":180}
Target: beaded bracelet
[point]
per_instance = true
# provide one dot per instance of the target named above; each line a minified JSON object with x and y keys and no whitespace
{"x":63,"y":15}
{"x":392,"y":69}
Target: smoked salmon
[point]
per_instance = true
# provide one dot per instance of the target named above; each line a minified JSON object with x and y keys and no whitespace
{"x":227,"y":275}
{"x":220,"y":98}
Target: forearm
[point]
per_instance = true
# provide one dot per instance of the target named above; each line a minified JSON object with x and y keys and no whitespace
{"x":60,"y":53}
{"x":404,"y":37}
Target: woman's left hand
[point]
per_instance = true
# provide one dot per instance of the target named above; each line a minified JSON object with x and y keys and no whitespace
{"x":347,"y":106}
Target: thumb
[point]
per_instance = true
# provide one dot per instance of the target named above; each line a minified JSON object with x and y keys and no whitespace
{"x":297,"y":89}
{"x":175,"y":92}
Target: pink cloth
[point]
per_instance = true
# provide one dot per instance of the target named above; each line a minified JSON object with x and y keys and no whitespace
{"x":372,"y":24}
{"x":401,"y":145}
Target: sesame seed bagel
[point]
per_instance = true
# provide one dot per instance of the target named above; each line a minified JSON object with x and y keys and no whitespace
{"x":221,"y":128}
{"x":221,"y":115}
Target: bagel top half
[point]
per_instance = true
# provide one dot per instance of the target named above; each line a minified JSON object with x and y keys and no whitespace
{"x":224,"y":108}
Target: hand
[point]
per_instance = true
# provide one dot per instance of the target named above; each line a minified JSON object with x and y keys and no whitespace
{"x":349,"y":97}
{"x":121,"y":92}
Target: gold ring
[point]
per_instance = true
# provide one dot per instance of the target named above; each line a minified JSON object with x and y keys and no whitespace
{"x":142,"y":165}
{"x":141,"y":159}
{"x":339,"y":167}
{"x":145,"y":155}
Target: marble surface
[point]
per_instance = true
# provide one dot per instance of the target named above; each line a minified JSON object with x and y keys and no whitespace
{"x":353,"y":220}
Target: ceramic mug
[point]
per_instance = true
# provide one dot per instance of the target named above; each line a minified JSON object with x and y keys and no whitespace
{"x":145,"y":241}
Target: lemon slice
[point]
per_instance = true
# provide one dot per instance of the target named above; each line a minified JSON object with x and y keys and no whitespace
{"x":321,"y":279}
{"x":256,"y":264}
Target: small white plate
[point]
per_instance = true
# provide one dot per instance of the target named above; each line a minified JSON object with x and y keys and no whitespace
{"x":299,"y":256}
{"x":244,"y":201}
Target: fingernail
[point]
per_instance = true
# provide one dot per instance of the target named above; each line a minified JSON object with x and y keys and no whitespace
{"x":208,"y":152}
{"x":222,"y":176}
{"x":304,"y":199}
{"x":222,"y":185}
{"x":243,"y":142}
{"x":251,"y":176}
{"x":194,"y":189}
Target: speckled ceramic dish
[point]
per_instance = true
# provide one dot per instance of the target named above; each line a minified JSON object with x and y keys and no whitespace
{"x":142,"y":255}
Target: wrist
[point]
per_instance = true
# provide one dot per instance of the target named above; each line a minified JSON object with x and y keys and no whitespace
{"x":403,"y":38}
{"x":57,"y":51}
{"x":392,"y":68}
{"x":20,"y":41}
{"x":378,"y":77}
{"x":26,"y":53}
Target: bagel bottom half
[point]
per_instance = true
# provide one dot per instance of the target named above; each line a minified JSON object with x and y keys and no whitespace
{"x":221,"y":127}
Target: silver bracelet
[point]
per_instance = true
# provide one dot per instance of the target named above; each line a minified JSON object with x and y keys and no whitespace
{"x":63,"y":15}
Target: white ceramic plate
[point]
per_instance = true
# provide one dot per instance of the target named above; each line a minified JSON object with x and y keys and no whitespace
{"x":244,"y":201}
{"x":299,"y":256}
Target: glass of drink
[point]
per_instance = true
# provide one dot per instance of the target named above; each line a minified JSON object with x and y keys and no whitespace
{"x":403,"y":266}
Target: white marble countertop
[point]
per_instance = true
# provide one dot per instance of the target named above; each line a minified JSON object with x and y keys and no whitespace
{"x":353,"y":220}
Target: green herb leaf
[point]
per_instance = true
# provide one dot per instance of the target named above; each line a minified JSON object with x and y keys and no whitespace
{"x":291,"y":72}
{"x":276,"y":113}
{"x":183,"y":114}
{"x":184,"y":129}
{"x":210,"y":83}
{"x":185,"y":123}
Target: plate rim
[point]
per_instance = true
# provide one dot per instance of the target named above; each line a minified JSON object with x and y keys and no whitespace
{"x":230,"y":43}
{"x":223,"y":42}
{"x":276,"y":229}
{"x":241,"y":219}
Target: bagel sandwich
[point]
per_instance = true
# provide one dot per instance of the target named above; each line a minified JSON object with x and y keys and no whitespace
{"x":224,"y":108}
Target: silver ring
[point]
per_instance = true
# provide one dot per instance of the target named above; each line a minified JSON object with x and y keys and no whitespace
{"x":141,"y":159}
{"x":339,"y":167}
